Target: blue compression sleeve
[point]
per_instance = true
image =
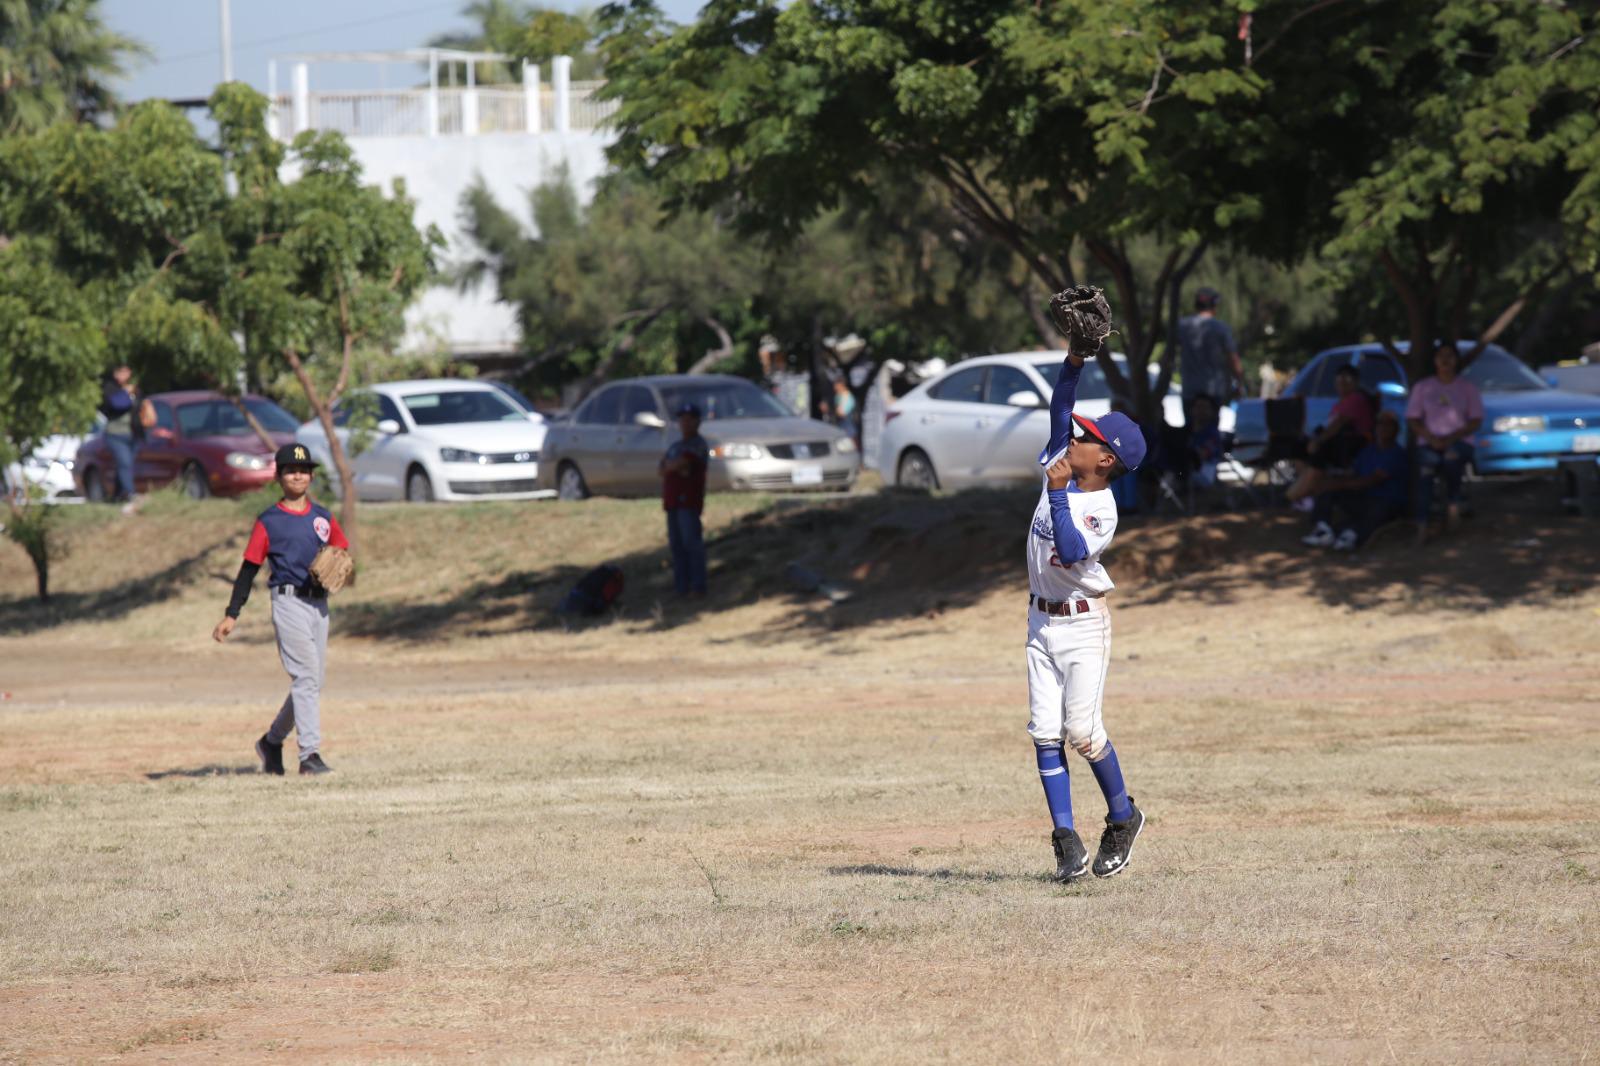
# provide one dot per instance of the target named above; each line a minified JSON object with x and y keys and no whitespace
{"x":1108,"y":773}
{"x":1062,"y":400}
{"x":1070,"y":545}
{"x":1057,"y":789}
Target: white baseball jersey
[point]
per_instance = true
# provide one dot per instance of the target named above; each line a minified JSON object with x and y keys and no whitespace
{"x":1094,"y":517}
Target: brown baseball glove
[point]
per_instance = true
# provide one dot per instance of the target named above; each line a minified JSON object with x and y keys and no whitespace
{"x":333,"y":569}
{"x":1083,"y":316}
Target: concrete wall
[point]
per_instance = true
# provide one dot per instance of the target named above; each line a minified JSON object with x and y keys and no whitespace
{"x":437,"y":172}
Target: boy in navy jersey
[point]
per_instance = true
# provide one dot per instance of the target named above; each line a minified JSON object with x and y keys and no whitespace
{"x":288,"y":535}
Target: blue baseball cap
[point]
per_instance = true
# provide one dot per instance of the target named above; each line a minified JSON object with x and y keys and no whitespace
{"x":686,"y":408}
{"x":1119,"y":433}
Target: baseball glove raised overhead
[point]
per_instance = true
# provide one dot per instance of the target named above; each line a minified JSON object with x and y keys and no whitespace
{"x":333,"y":569}
{"x":1083,"y":317}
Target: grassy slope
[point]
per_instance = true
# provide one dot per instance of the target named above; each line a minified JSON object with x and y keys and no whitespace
{"x":770,"y":828}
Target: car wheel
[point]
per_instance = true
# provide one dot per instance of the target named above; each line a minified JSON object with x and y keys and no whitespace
{"x":419,"y":487}
{"x":570,"y":484}
{"x":916,"y":471}
{"x":194,"y":482}
{"x":94,"y":490}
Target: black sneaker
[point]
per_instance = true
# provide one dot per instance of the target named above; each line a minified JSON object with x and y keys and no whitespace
{"x":1072,"y":858}
{"x":1116,"y":843}
{"x":313,"y":764}
{"x":271,"y":756}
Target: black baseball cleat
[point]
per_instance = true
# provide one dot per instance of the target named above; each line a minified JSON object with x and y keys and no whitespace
{"x":1072,"y":858}
{"x":313,"y":764}
{"x":1116,"y":843}
{"x":271,"y":756}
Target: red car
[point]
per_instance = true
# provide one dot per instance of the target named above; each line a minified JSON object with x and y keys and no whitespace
{"x":200,"y":439}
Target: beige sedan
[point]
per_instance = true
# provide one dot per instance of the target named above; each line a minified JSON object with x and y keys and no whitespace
{"x":611,"y":443}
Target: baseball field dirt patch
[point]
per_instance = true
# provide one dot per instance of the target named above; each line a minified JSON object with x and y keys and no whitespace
{"x":800,"y":821}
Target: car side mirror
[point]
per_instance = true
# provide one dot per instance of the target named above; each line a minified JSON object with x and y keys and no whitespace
{"x":1391,"y":388}
{"x":649,"y":420}
{"x":388,"y":426}
{"x":1024,"y":398}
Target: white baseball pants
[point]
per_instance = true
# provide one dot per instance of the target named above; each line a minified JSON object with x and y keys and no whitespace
{"x":1067,"y":659}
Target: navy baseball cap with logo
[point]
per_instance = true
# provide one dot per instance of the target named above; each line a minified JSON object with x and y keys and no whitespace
{"x":686,"y":408}
{"x":1119,"y":433}
{"x":291,"y":455}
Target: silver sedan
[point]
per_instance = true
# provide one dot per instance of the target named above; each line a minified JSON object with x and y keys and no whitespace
{"x":612,"y":442}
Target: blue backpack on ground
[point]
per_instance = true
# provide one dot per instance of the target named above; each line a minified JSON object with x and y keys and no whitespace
{"x":594,"y":592}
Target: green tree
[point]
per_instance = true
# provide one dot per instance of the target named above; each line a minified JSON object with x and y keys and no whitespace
{"x":529,"y":32}
{"x":165,"y":265}
{"x":1484,"y":186}
{"x":57,"y":59}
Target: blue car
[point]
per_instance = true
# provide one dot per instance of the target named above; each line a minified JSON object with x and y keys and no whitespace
{"x":1527,"y":425}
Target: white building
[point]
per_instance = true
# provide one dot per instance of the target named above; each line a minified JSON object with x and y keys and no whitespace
{"x":440,"y":138}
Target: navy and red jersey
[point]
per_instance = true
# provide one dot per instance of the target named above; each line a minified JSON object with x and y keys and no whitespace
{"x":685,"y":490}
{"x":291,"y":539}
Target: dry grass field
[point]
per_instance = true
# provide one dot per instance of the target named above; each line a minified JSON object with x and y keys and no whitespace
{"x":771,"y":828}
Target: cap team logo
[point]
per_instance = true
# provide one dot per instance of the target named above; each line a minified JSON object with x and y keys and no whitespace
{"x":320,"y":524}
{"x":301,"y":453}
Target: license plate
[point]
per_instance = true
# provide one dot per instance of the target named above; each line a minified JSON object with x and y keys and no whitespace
{"x":807,"y":475}
{"x":1586,"y":442}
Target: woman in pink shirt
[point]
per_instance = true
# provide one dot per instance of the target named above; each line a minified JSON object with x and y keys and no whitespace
{"x":1444,"y":412}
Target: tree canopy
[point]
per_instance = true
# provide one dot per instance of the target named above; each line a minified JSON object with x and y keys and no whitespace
{"x":57,"y":58}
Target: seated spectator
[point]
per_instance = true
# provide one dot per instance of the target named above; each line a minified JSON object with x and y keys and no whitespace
{"x":1335,"y":444}
{"x":1444,"y":412}
{"x":1373,"y":493}
{"x":1204,"y":440}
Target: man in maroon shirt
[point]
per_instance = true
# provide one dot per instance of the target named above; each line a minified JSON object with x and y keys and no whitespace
{"x":683,"y":496}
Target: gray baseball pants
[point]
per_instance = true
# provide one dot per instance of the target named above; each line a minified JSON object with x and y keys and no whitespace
{"x":302,"y":628}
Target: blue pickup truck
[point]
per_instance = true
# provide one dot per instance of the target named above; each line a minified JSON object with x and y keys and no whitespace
{"x":1527,"y":425}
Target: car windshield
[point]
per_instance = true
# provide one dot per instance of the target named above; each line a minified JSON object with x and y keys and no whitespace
{"x":1496,"y":370}
{"x":220,"y":418}
{"x":725,"y":400}
{"x":457,"y":406}
{"x":514,"y":396}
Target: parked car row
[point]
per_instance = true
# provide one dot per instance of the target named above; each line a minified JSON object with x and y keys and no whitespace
{"x":983,"y":420}
{"x":1527,"y":425}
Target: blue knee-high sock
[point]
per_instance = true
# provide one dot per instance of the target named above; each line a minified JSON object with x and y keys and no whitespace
{"x":1057,"y":787}
{"x":1108,"y":772}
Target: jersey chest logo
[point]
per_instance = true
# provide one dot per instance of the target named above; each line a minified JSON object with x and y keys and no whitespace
{"x":320,"y":524}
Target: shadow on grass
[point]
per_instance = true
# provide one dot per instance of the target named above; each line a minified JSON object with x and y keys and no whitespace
{"x":942,"y":874}
{"x":27,"y":615}
{"x":209,"y":770}
{"x":841,"y":562}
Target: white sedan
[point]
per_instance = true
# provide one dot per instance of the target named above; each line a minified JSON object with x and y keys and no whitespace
{"x":47,"y":468}
{"x":435,"y":440}
{"x":984,"y":420}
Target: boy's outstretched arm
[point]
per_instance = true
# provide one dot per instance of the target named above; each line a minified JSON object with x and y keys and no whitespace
{"x":1062,"y":399}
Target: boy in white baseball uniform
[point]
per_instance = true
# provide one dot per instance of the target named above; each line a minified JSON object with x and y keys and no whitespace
{"x":1069,"y":625}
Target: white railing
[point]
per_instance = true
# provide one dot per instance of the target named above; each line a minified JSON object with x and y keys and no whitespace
{"x":461,"y":112}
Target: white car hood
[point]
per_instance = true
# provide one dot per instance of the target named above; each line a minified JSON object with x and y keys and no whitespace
{"x":491,"y":437}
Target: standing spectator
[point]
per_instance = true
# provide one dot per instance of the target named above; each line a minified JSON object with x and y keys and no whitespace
{"x":1209,"y":360}
{"x":683,"y":497}
{"x":844,"y":409}
{"x":1204,"y":440}
{"x":123,"y":407}
{"x":1372,"y":494}
{"x":1443,"y":412}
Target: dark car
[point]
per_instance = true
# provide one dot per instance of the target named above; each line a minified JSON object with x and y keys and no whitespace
{"x":200,"y":439}
{"x":1527,"y":426}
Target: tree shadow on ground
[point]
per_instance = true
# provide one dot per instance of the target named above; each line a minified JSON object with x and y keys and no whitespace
{"x":846,"y":563}
{"x":840,"y":562}
{"x":1519,"y":547}
{"x":28,"y":615}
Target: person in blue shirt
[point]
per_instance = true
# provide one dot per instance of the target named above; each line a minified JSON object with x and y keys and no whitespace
{"x":1372,"y":494}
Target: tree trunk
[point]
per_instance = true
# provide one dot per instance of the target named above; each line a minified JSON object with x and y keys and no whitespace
{"x":254,"y":423}
{"x":41,"y":571}
{"x":341,"y":462}
{"x":715,"y":355}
